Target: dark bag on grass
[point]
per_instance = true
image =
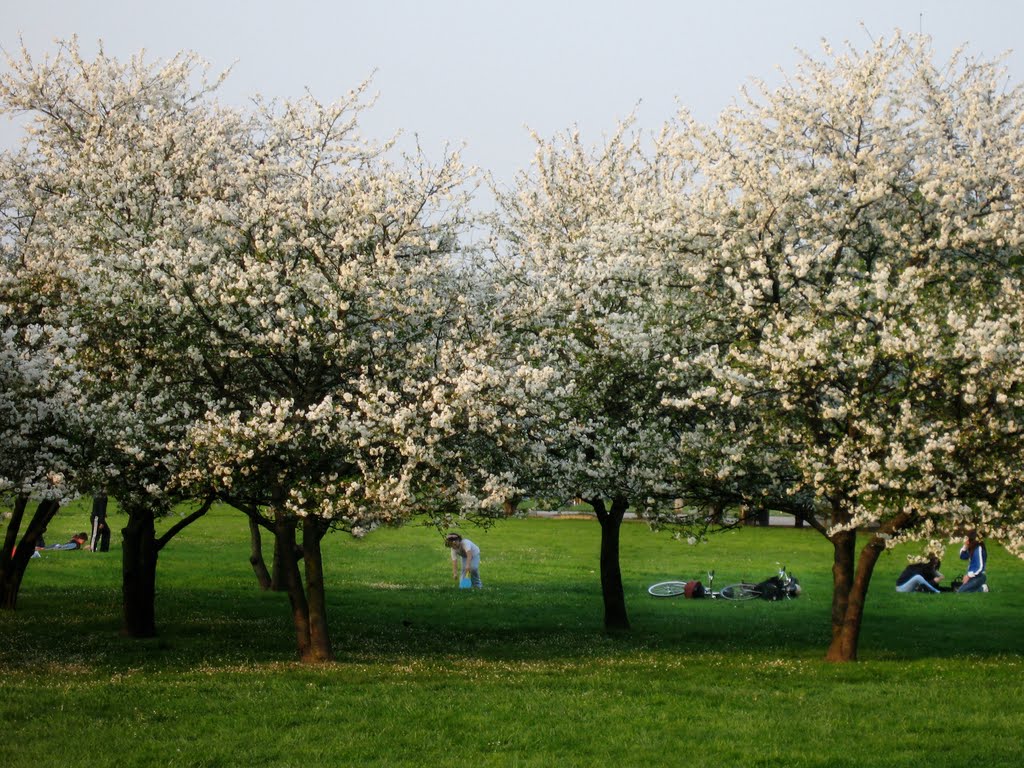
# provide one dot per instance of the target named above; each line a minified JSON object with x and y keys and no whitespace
{"x":694,"y":589}
{"x":771,"y":589}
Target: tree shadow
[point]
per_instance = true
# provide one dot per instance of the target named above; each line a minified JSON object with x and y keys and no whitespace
{"x":391,"y":623}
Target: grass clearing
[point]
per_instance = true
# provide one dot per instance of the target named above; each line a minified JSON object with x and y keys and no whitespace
{"x":519,"y":674}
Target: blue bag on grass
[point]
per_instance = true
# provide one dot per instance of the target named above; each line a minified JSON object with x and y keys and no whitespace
{"x":465,"y":582}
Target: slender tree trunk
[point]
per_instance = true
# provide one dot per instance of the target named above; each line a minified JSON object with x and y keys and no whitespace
{"x":284,"y":534}
{"x":717,"y":513}
{"x":313,"y":530}
{"x":259,"y":566}
{"x":16,"y":554}
{"x":278,"y":575}
{"x":615,"y":617}
{"x":845,"y":625}
{"x":138,"y":573}
{"x":11,"y":569}
{"x":14,"y":559}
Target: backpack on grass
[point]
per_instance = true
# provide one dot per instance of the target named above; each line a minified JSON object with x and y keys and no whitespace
{"x":694,"y":589}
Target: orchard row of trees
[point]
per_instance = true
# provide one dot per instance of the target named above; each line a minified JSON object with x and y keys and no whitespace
{"x":814,"y":305}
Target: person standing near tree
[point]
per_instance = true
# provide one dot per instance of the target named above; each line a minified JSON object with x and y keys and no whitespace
{"x":976,"y":555}
{"x":465,"y":558}
{"x":99,"y":541}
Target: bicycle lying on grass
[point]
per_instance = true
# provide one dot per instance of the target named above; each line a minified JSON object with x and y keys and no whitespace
{"x":783,"y":586}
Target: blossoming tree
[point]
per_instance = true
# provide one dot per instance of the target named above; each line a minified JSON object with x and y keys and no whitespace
{"x":324,"y":315}
{"x":38,"y":460}
{"x":264,"y":294}
{"x":585,"y":302}
{"x":863,"y":229}
{"x":117,"y":159}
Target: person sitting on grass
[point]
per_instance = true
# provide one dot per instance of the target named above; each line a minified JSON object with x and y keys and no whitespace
{"x":920,"y":577}
{"x":975,"y":553}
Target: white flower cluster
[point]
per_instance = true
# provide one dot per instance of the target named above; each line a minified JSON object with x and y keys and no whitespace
{"x":37,"y":458}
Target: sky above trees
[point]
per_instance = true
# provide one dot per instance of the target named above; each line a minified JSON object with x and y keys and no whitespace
{"x":483,"y":73}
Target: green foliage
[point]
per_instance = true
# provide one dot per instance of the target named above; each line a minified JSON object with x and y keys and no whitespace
{"x":519,"y":674}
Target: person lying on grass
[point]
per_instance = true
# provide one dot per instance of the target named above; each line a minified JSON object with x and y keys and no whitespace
{"x":77,"y":542}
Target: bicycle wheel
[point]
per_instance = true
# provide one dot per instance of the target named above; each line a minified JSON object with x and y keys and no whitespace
{"x":740,"y":592}
{"x":667,"y":588}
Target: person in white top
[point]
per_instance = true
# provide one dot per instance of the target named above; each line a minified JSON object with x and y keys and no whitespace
{"x":465,"y":558}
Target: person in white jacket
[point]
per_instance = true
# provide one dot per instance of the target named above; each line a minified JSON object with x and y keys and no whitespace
{"x":465,"y":558}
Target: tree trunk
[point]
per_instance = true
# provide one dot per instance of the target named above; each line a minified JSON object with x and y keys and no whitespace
{"x":717,"y":513}
{"x":278,"y":575}
{"x":284,"y":534}
{"x":138,"y":574}
{"x":760,"y":515}
{"x":844,"y":633}
{"x":615,"y":617}
{"x":16,"y":554}
{"x":313,"y":530}
{"x":850,"y":586}
{"x":139,"y":554}
{"x":264,"y":578}
{"x":12,"y":569}
{"x":259,"y":566}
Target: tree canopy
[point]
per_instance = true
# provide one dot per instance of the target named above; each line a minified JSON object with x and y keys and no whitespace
{"x":864,"y":228}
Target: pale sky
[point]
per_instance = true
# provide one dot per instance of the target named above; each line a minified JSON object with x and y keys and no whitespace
{"x":481,"y":73}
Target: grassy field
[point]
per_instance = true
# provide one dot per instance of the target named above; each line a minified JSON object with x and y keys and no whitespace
{"x":519,"y":674}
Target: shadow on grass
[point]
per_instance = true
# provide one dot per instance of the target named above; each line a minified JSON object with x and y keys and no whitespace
{"x":77,"y":627}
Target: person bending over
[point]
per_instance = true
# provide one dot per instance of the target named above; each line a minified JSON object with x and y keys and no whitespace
{"x":465,"y":558}
{"x":920,"y":577}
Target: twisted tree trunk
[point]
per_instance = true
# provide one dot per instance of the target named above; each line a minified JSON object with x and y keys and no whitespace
{"x":284,"y":535}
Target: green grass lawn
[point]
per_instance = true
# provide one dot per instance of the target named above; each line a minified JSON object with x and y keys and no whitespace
{"x":519,"y":674}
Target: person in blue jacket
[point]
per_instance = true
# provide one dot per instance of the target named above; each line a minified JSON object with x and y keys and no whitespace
{"x":975,"y":553}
